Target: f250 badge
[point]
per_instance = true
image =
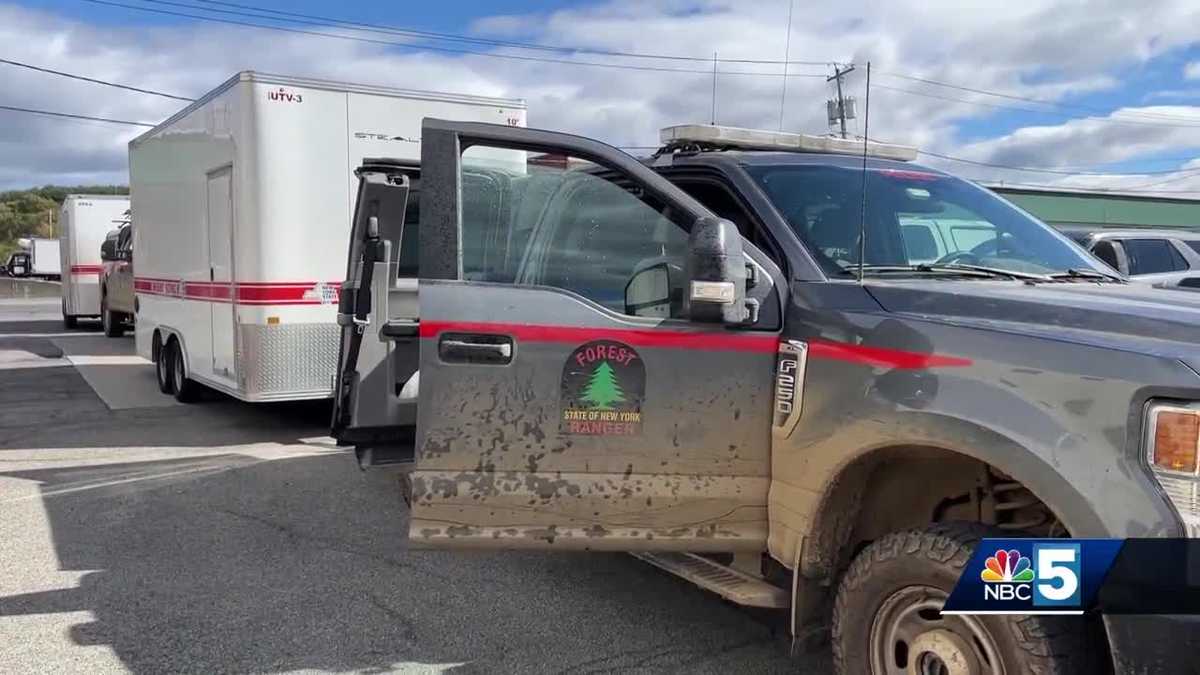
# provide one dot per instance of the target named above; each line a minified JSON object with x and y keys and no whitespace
{"x":789,"y":386}
{"x":285,"y":96}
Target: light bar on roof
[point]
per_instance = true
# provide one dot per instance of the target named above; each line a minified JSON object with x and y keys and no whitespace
{"x":755,"y":139}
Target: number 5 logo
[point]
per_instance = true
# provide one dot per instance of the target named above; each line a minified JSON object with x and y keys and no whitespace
{"x":1058,"y":575}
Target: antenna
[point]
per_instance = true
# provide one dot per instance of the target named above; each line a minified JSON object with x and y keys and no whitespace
{"x":787,"y":54}
{"x":714,"y":93}
{"x":862,"y":226}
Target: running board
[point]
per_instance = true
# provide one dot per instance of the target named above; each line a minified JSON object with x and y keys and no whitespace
{"x":733,"y":585}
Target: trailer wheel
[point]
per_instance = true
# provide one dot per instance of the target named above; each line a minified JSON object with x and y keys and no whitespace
{"x":887,"y":617}
{"x":186,"y":390}
{"x":111,"y":320}
{"x":162,"y":367}
{"x":69,"y":320}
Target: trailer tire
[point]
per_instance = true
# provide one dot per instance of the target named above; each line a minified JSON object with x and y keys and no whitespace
{"x":888,"y":614}
{"x":186,"y":389}
{"x":113,"y":326}
{"x":162,"y":366}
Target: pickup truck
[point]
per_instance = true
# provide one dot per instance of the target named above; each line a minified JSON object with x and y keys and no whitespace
{"x":118,"y":302}
{"x":738,"y":361}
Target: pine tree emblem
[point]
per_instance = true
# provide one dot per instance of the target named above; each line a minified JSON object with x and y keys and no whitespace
{"x":602,"y":389}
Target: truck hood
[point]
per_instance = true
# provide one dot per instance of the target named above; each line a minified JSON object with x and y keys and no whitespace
{"x":1127,"y":317}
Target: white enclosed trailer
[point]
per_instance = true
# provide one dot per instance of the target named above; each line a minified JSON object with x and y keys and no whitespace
{"x":44,"y":258}
{"x":241,"y":218}
{"x":83,"y":222}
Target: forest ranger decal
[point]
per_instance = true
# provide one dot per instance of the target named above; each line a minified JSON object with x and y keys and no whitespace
{"x":603,"y":385}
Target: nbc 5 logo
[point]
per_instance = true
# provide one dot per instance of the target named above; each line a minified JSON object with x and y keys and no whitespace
{"x":1051,"y":578}
{"x":1058,"y":575}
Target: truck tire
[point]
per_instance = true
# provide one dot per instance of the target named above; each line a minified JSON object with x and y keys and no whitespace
{"x":186,"y":390}
{"x":113,"y":327}
{"x":162,"y":369}
{"x":887,"y":615}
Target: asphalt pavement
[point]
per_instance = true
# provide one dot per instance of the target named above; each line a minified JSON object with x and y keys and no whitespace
{"x":144,"y":536}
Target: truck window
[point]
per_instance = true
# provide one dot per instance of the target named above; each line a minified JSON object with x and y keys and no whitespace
{"x":1193,"y":244}
{"x":1107,"y":251}
{"x":920,"y":242}
{"x":824,"y":205}
{"x":1153,"y":256}
{"x":562,"y":222}
{"x":722,"y":202}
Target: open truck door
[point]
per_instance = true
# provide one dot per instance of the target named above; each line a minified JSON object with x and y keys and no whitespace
{"x":596,"y":354}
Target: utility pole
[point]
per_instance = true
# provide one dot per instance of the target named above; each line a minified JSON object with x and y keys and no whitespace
{"x":837,"y":110}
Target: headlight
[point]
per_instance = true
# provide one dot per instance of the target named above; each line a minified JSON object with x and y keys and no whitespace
{"x":1173,"y":452}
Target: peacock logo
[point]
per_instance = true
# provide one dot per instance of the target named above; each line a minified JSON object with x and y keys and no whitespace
{"x":1007,"y":567}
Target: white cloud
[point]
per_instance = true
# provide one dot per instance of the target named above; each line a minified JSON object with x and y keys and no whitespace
{"x":1003,"y":47}
{"x":1191,"y":71}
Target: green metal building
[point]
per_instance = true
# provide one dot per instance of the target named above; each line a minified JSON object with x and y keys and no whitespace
{"x":1081,"y":209}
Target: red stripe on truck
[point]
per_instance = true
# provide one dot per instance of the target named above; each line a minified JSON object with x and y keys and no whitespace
{"x":764,"y":343}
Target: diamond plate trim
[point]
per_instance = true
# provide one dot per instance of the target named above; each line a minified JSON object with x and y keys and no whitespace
{"x":287,"y":358}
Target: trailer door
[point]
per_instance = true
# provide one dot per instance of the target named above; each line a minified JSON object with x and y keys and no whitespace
{"x":220,"y":272}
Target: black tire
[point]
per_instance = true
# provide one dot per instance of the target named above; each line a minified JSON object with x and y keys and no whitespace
{"x":70,"y":321}
{"x":112,"y":322}
{"x":925,"y":565}
{"x":186,"y":390}
{"x":162,"y":370}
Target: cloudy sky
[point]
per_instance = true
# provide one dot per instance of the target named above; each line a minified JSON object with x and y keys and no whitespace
{"x":1095,"y":93}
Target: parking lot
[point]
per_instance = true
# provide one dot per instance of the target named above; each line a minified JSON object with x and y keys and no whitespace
{"x":147,"y":536}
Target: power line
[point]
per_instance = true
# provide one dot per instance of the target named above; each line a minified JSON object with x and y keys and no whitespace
{"x":93,"y":80}
{"x":452,"y":37}
{"x":52,"y":113}
{"x":408,"y":45}
{"x":1056,"y":113}
{"x":1027,"y":99}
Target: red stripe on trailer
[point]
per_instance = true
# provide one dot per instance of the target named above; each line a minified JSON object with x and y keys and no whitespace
{"x":87,"y":269}
{"x":242,"y":293}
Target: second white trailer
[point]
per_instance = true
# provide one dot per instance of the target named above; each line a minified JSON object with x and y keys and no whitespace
{"x":241,"y":218}
{"x":83,"y":222}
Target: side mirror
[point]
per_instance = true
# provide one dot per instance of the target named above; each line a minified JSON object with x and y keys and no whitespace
{"x":108,"y":250}
{"x":655,"y":290}
{"x":716,"y":273}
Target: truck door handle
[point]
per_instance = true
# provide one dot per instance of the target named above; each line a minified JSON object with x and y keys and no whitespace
{"x":482,"y":348}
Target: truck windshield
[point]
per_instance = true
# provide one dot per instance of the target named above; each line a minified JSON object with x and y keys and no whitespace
{"x":914,"y":219}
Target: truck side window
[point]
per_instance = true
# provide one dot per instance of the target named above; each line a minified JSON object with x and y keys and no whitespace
{"x":724,"y":204}
{"x":1107,"y":251}
{"x":562,"y":222}
{"x":1152,"y":256}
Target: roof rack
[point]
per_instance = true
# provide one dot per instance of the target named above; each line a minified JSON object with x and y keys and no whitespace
{"x":711,"y":137}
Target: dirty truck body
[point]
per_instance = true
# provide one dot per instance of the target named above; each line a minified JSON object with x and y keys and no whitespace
{"x":239,"y":200}
{"x":587,"y":370}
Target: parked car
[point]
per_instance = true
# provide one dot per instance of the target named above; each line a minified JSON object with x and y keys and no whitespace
{"x":1148,"y":256}
{"x":118,"y":303}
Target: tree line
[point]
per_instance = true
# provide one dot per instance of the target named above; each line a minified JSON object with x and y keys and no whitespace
{"x":35,"y":212}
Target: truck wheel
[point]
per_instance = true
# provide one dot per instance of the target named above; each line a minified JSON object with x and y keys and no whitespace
{"x":186,"y":390}
{"x":112,"y":321}
{"x":162,"y":370}
{"x":887,"y":616}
